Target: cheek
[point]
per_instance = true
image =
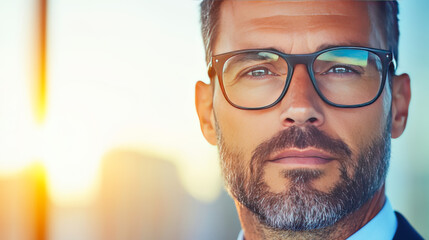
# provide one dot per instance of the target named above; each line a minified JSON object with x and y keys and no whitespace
{"x":358,"y":127}
{"x":243,"y":130}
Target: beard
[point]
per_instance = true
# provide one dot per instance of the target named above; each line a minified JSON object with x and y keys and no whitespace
{"x":301,"y":207}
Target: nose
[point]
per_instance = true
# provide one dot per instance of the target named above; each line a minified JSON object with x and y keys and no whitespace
{"x":301,"y":105}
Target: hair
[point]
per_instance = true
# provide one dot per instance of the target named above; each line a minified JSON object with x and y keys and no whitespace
{"x":387,"y":20}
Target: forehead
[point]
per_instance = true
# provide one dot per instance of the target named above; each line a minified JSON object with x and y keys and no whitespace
{"x":293,"y":26}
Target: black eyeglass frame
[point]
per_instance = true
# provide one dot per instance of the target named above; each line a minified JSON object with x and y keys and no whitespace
{"x":217,"y":63}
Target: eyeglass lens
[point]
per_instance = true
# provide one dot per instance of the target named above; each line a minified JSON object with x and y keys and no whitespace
{"x":342,"y":76}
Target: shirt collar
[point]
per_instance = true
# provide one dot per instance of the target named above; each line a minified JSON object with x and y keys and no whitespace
{"x":241,"y":235}
{"x":382,"y":226}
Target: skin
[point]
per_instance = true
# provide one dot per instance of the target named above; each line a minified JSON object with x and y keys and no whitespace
{"x":300,"y":27}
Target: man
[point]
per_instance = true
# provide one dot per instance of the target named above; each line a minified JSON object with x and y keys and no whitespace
{"x":302,"y":104}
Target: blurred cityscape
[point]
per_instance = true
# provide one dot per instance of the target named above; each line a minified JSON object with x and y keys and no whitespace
{"x":139,"y":197}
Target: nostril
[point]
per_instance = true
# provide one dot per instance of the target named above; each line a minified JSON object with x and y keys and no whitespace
{"x":298,"y":121}
{"x":290,"y":120}
{"x":312,"y":119}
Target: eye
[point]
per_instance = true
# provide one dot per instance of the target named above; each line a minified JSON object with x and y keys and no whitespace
{"x":260,"y":72}
{"x":341,"y":70}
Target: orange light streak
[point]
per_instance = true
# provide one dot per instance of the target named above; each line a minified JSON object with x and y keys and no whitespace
{"x":39,"y":172}
{"x":41,"y":81}
{"x":38,"y":175}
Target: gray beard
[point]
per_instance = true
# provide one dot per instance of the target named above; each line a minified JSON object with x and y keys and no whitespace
{"x":302,"y":207}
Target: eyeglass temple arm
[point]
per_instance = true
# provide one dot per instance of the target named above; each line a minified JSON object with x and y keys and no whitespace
{"x":393,"y":61}
{"x":210,"y":70}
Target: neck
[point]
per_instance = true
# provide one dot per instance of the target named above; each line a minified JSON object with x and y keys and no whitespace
{"x":254,"y":230}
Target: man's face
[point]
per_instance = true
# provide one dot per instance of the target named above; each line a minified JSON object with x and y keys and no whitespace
{"x":301,"y":160}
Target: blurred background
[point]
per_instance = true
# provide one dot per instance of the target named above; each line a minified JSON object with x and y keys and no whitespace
{"x":99,"y":138}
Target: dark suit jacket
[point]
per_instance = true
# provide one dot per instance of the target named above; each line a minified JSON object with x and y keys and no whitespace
{"x":405,"y":231}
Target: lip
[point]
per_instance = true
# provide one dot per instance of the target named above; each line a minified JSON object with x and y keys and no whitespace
{"x":308,"y":156}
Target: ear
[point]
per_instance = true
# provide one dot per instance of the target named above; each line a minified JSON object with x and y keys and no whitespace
{"x":401,"y":95}
{"x":204,"y":105}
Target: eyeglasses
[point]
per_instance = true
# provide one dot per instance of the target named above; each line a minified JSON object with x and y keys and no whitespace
{"x":346,"y":77}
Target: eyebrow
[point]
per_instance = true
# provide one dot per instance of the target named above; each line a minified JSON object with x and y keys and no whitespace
{"x":344,"y":44}
{"x":324,"y":46}
{"x":252,"y":57}
{"x":319,"y":48}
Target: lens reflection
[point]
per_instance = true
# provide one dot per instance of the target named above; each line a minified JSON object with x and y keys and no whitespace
{"x":348,"y":76}
{"x":254,"y":79}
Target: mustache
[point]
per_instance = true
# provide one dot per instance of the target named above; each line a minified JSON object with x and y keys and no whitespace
{"x":301,"y":138}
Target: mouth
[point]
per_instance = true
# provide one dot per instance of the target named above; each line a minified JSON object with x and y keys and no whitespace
{"x":307,"y":156}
